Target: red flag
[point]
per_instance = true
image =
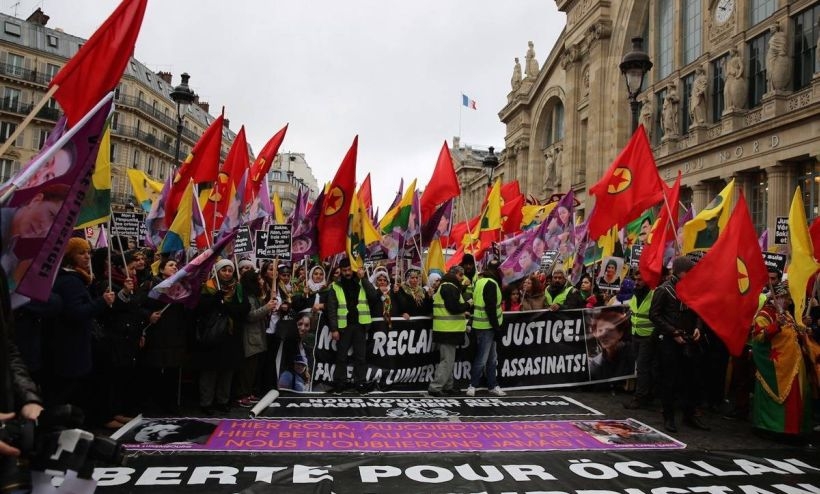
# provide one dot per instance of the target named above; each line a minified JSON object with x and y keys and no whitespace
{"x":511,"y":214}
{"x":628,"y":188}
{"x":226,"y":182}
{"x":443,"y":184}
{"x":510,"y":191}
{"x":336,"y":206}
{"x":724,"y":287}
{"x":202,"y":165}
{"x":814,"y":233}
{"x":264,"y":161}
{"x":98,"y":66}
{"x":651,"y":262}
{"x":366,"y":196}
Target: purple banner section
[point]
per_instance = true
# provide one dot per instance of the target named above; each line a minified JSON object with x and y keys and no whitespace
{"x":400,"y":437}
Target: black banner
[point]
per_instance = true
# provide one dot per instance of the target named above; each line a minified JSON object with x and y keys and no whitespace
{"x":536,"y":349}
{"x":782,"y":471}
{"x":420,"y":408}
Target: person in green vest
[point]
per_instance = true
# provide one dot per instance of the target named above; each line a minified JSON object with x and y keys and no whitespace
{"x":469,"y":279}
{"x":450,"y":313}
{"x":487,"y":322}
{"x":644,"y":343}
{"x":560,"y":294}
{"x":348,"y":317}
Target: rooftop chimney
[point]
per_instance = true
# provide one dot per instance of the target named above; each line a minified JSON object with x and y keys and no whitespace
{"x":38,"y":17}
{"x":204,"y":105}
{"x":165,"y":76}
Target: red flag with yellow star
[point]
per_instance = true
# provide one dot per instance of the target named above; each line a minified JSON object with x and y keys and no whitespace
{"x":336,"y":206}
{"x":724,"y":286}
{"x":628,"y":188}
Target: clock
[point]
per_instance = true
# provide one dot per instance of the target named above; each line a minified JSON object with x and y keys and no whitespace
{"x":724,"y":10}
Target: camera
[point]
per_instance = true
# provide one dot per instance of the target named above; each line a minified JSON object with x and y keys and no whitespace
{"x":54,"y":445}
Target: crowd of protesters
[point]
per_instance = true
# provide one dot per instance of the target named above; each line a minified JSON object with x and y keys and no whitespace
{"x":102,"y":343}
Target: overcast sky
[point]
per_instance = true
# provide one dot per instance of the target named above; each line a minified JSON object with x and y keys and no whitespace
{"x":391,"y":71}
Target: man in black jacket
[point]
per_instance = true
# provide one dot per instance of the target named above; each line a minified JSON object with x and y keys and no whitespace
{"x":450,"y":314}
{"x":19,"y":392}
{"x":349,"y":317}
{"x":678,"y":337}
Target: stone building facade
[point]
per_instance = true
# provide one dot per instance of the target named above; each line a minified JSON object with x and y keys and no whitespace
{"x":734,"y":93}
{"x":143,"y":124}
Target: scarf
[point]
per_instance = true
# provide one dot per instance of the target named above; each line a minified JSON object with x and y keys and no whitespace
{"x":417,"y":293}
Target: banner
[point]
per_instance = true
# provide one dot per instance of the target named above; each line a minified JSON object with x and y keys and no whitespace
{"x":536,"y":349}
{"x":131,"y":225}
{"x":339,"y":407}
{"x":773,"y":471}
{"x":304,"y":436}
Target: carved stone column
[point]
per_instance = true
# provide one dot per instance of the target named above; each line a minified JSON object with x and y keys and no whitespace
{"x":700,"y":196}
{"x":779,"y":198}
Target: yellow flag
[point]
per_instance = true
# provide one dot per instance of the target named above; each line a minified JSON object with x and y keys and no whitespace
{"x":702,"y":231}
{"x":145,"y":190}
{"x":278,"y":214}
{"x":399,"y":216}
{"x":360,"y":233}
{"x":434,"y":262}
{"x":178,"y":236}
{"x":801,"y":264}
{"x":607,"y":242}
{"x":533,"y":215}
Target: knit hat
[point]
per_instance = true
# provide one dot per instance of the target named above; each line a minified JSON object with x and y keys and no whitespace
{"x":222,"y":263}
{"x":246,"y":263}
{"x":681,"y":264}
{"x":76,"y":245}
{"x":627,"y":290}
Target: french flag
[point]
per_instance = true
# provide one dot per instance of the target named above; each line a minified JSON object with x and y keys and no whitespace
{"x":469,"y":103}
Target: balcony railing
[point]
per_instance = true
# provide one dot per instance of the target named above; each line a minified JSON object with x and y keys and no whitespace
{"x":145,"y":138}
{"x":17,"y":72}
{"x":14,"y":105}
{"x":141,"y":105}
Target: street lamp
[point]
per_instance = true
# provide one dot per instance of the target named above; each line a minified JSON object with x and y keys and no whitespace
{"x":634,"y":67}
{"x":182,"y":96}
{"x":490,"y":163}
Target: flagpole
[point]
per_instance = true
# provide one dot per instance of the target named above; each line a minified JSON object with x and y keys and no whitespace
{"x":110,"y":281}
{"x":26,"y":174}
{"x":208,"y":242}
{"x":672,"y":221}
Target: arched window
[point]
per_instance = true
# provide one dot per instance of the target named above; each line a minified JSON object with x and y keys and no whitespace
{"x":554,"y":123}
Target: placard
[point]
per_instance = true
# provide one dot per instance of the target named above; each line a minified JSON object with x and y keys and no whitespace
{"x":261,"y":245}
{"x":774,"y":261}
{"x":130,"y":225}
{"x":242,"y":242}
{"x":279,"y":242}
{"x":548,"y":259}
{"x":781,"y":230}
{"x":635,"y":257}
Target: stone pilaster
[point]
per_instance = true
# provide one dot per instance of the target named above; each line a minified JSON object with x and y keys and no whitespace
{"x":779,"y":198}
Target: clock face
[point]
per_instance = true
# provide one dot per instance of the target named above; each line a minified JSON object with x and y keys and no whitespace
{"x":723,"y":10}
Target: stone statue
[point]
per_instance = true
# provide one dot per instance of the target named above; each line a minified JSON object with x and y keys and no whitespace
{"x":647,"y":111}
{"x":549,"y":171}
{"x":778,"y":63}
{"x":516,"y":75}
{"x":532,"y":63}
{"x":670,"y":111}
{"x":735,"y":86}
{"x":558,"y":172}
{"x":697,"y":100}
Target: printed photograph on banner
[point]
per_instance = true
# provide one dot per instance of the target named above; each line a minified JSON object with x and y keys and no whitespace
{"x":628,"y":431}
{"x":154,"y":433}
{"x":609,"y":342}
{"x":609,"y":276}
{"x":296,"y":359}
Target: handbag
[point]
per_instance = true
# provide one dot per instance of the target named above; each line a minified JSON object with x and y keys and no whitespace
{"x":211,"y":328}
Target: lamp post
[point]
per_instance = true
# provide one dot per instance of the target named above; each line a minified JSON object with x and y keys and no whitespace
{"x":634,"y":66}
{"x":490,"y":163}
{"x":182,"y":96}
